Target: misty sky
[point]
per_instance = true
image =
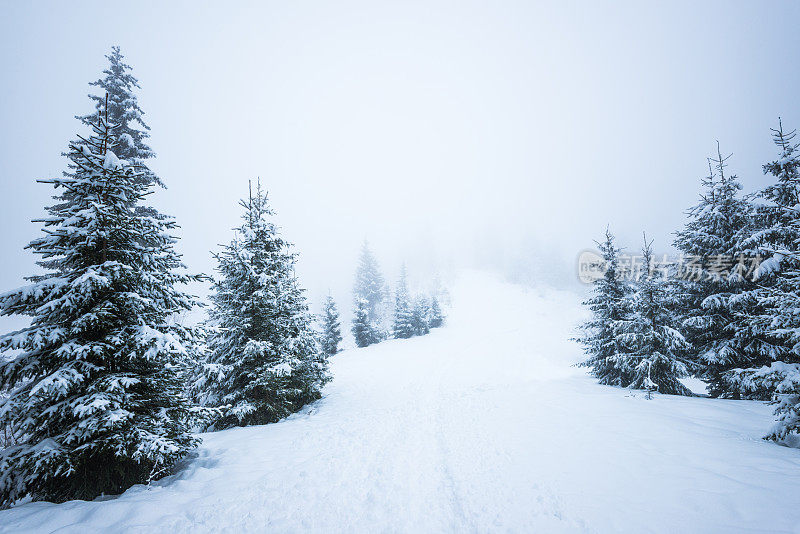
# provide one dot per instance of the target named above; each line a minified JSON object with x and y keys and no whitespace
{"x":447,"y":133}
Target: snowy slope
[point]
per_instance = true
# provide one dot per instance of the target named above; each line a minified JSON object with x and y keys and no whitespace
{"x":481,"y":426}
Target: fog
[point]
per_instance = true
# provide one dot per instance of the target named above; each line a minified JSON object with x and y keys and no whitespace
{"x":503,"y":135}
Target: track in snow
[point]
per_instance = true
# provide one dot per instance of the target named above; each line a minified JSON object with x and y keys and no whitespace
{"x":481,"y":426}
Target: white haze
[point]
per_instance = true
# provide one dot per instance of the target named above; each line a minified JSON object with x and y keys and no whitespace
{"x":496,"y":134}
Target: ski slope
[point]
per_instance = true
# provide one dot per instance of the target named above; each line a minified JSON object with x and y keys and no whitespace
{"x":481,"y":426}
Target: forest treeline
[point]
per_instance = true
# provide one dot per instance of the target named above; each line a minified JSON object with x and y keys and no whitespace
{"x":726,"y":311}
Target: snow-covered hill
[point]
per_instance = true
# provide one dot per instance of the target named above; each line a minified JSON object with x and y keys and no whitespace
{"x":480,"y":426}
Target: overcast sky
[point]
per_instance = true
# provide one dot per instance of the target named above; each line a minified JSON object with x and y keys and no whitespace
{"x":444,"y":132}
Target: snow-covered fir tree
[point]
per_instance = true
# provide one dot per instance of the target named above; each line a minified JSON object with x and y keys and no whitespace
{"x":608,"y":305}
{"x":125,"y":114}
{"x":403,"y":323}
{"x":436,"y":318}
{"x":778,"y":292}
{"x":331,"y":328}
{"x":715,"y":305}
{"x":420,"y":315}
{"x":364,"y":333}
{"x":264,"y":361}
{"x":95,"y":399}
{"x":439,"y":293}
{"x":649,"y":344}
{"x":369,"y":285}
{"x":649,"y":385}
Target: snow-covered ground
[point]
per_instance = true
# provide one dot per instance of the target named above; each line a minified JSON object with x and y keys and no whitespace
{"x":481,"y":426}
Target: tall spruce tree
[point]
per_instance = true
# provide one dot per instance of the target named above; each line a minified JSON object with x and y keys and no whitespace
{"x":331,"y":328}
{"x":420,"y":315}
{"x":369,"y":285}
{"x":403,"y":324}
{"x":96,"y":403}
{"x":264,"y":360}
{"x":777,"y":375}
{"x":608,"y":305}
{"x":714,"y":305}
{"x":436,"y":318}
{"x":650,"y":346}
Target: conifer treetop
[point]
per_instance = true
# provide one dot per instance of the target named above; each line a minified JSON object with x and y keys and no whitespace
{"x":118,"y":86}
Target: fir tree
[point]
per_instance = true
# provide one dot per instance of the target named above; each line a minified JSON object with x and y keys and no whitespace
{"x":440,"y":291}
{"x":786,"y":388}
{"x":436,"y":318}
{"x":648,"y":385}
{"x":420,"y":316}
{"x":403,"y":324}
{"x":364,"y":332}
{"x":650,"y":345}
{"x":716,"y":304}
{"x":369,"y":285}
{"x":608,"y":305}
{"x":264,"y":363}
{"x":96,"y":403}
{"x":778,"y":293}
{"x":331,"y":333}
{"x":780,"y":380}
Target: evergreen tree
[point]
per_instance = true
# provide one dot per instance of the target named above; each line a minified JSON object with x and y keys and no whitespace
{"x":608,"y":305}
{"x":436,"y":316}
{"x":369,"y":285}
{"x":439,"y":291}
{"x":715,"y":304}
{"x":364,"y":332}
{"x":331,"y":333}
{"x":264,"y":363}
{"x":403,"y":324}
{"x":650,"y":345}
{"x":96,"y":403}
{"x":420,"y":316}
{"x":777,"y":374}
